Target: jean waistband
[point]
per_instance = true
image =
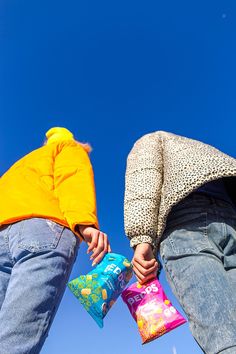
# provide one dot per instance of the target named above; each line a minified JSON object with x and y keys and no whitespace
{"x":199,"y":203}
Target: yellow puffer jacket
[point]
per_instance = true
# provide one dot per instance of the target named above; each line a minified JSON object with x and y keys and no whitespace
{"x":54,"y":182}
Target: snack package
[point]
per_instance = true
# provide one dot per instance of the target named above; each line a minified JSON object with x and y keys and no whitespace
{"x":99,"y":289}
{"x":151,"y":309}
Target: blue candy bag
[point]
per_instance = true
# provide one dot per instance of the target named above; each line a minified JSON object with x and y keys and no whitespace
{"x":99,"y":289}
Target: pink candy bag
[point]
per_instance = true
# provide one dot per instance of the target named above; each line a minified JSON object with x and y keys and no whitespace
{"x":151,"y":309}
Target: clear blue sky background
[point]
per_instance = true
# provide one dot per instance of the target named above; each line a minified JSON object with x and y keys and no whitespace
{"x":112,"y":71}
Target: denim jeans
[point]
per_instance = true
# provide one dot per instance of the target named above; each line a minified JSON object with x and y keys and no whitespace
{"x":199,"y":257}
{"x":36,"y":258}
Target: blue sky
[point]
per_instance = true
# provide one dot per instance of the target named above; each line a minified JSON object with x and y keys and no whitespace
{"x":112,"y":71}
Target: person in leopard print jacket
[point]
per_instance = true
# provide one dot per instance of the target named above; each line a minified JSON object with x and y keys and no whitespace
{"x":180,"y":197}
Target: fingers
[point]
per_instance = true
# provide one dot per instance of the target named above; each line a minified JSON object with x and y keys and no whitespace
{"x":99,"y":245}
{"x":142,"y":280}
{"x":101,"y":249}
{"x":144,"y":272}
{"x":146,"y":264}
{"x":94,"y":240}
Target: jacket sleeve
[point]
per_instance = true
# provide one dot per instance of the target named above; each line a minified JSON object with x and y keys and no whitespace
{"x":74,"y":185}
{"x":143,"y":183}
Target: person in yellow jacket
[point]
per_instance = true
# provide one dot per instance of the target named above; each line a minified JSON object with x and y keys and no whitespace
{"x":47,"y":207}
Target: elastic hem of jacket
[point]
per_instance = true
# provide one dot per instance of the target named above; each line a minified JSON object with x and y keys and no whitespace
{"x":142,"y":239}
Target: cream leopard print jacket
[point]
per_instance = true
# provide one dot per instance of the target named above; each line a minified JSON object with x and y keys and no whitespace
{"x":162,"y":169}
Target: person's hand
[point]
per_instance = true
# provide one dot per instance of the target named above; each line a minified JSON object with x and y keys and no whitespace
{"x":144,"y":263}
{"x":97,"y":242}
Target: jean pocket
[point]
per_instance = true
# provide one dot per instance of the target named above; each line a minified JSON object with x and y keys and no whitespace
{"x":187,"y":238}
{"x":38,"y":234}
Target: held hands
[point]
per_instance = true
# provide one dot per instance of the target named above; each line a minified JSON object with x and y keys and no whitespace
{"x":145,"y":265}
{"x":97,"y":242}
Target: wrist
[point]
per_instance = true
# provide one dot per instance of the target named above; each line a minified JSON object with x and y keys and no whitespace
{"x":82,"y":229}
{"x":143,"y":245}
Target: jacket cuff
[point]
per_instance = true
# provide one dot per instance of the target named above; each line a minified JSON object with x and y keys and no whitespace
{"x":142,"y":239}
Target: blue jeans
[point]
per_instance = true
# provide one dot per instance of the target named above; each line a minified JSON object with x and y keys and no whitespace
{"x":199,"y":257}
{"x":36,"y":258}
